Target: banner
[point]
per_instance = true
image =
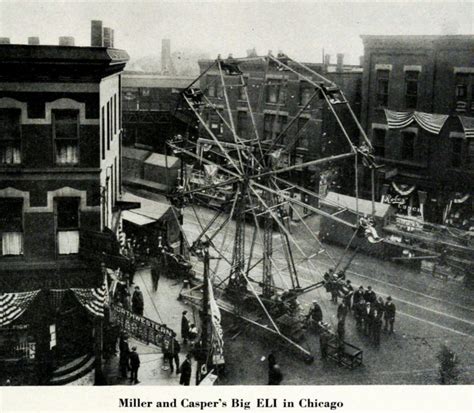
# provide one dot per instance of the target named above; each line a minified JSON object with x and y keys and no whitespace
{"x":217,"y":333}
{"x":93,"y":299}
{"x":140,"y":328}
{"x":13,"y":305}
{"x":430,"y":122}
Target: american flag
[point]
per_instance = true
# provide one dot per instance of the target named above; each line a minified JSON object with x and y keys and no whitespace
{"x":13,"y":305}
{"x":93,"y":299}
{"x":468,"y":126}
{"x":431,"y":122}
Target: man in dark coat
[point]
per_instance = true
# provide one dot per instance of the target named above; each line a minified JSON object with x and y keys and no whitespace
{"x":184,"y":327}
{"x":358,"y":295}
{"x":368,"y":317}
{"x":274,"y":372}
{"x":134,"y":365}
{"x":359,"y":309}
{"x":349,"y":292}
{"x":390,"y":311}
{"x":324,"y":337}
{"x":124,"y":356}
{"x":155,"y":271}
{"x":370,"y":296}
{"x":377,"y":329}
{"x":175,"y":349}
{"x":137,"y":301}
{"x":342,"y":311}
{"x":186,"y":371}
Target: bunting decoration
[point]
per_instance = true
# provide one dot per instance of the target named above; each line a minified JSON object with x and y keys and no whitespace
{"x":217,"y":333}
{"x":430,"y":122}
{"x":13,"y":305}
{"x":93,"y":299}
{"x":468,"y":126}
{"x":404,"y":190}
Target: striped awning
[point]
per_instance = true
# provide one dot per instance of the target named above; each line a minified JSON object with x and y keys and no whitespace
{"x":13,"y":305}
{"x":468,"y":126}
{"x":430,"y":122}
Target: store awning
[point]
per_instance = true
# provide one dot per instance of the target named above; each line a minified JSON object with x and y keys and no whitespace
{"x":137,"y":219}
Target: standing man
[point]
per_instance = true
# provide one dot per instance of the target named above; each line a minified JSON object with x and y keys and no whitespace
{"x":184,"y":327}
{"x":370,"y":295}
{"x":377,"y":329}
{"x":137,"y":301}
{"x":348,"y":295}
{"x":358,"y":296}
{"x":390,"y":311}
{"x":186,"y":371}
{"x":324,"y":341}
{"x":175,"y":349}
{"x":168,"y":352}
{"x":274,"y":372}
{"x":124,"y":356}
{"x":134,"y":365}
{"x":155,"y":271}
{"x":342,"y":311}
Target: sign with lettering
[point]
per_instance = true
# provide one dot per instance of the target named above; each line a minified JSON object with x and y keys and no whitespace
{"x":140,"y":328}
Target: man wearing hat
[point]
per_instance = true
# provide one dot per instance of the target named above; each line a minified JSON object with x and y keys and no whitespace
{"x":390,"y":311}
{"x":134,"y":365}
{"x":184,"y":327}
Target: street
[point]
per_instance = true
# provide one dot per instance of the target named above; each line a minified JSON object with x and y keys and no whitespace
{"x":430,"y":312}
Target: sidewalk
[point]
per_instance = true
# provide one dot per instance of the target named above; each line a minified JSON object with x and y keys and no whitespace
{"x":163,"y":307}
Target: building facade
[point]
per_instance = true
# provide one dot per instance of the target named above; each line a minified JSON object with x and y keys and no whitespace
{"x":276,"y":98}
{"x":60,"y":127}
{"x":150,"y":109}
{"x":424,"y":140}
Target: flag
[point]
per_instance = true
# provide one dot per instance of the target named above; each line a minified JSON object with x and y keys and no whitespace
{"x":217,"y":333}
{"x":468,"y":126}
{"x":431,"y":122}
{"x":13,"y":305}
{"x":93,"y":299}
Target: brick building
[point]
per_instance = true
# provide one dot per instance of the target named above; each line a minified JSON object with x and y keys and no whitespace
{"x":428,"y":173}
{"x":60,"y":127}
{"x":149,"y":108}
{"x":276,"y":97}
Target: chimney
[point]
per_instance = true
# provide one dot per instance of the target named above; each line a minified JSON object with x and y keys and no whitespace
{"x":96,"y":33}
{"x":165,"y":56}
{"x":340,"y":62}
{"x":107,"y":37}
{"x":33,"y":41}
{"x":252,"y":52}
{"x":327,"y":59}
{"x":4,"y":40}
{"x":66,"y":41}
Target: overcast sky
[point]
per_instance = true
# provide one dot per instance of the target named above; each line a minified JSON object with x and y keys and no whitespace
{"x":300,"y":29}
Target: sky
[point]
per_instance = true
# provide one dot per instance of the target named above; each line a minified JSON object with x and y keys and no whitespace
{"x":301,"y":29}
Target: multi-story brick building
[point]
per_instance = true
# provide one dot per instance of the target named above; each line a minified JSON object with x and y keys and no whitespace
{"x":428,"y":173}
{"x":276,"y":98}
{"x":60,"y":127}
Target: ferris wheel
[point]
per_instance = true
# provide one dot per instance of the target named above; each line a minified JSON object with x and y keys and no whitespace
{"x":264,"y":259}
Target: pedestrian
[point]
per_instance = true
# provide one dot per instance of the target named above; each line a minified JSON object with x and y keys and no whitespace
{"x":370,"y":296}
{"x":192,"y":333}
{"x":167,"y":347}
{"x":134,"y":365}
{"x":155,"y":272}
{"x":175,"y":349}
{"x":377,"y":329}
{"x":124,"y":356}
{"x":274,"y":372}
{"x":348,"y":295}
{"x":368,"y":319}
{"x":380,"y":307}
{"x":186,"y":371}
{"x":390,"y":311}
{"x":359,"y":309}
{"x":342,"y":311}
{"x":358,"y":295}
{"x":184,"y":327}
{"x":341,"y":331}
{"x":137,"y":301}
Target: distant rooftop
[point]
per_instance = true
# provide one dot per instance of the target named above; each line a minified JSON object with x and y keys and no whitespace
{"x":143,"y":79}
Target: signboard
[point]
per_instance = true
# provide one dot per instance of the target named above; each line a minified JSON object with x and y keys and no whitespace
{"x":141,"y":328}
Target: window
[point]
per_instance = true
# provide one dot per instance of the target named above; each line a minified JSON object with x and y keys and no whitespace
{"x":11,"y":226}
{"x":276,"y":91}
{"x":378,"y":142}
{"x":411,"y":92}
{"x":302,"y":133}
{"x":215,"y":124}
{"x":408,"y":145}
{"x":306,"y":91}
{"x":273,"y":125}
{"x":66,"y":136}
{"x":214,"y":87}
{"x":470,"y":153}
{"x":382,"y":87}
{"x":242,"y":124}
{"x":456,"y":152}
{"x":67,"y":224}
{"x":10,"y":136}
